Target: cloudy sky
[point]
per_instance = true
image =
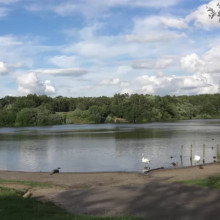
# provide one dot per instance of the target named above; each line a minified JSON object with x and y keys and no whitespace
{"x":96,"y":47}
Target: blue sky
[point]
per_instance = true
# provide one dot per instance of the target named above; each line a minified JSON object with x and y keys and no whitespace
{"x":95,"y":47}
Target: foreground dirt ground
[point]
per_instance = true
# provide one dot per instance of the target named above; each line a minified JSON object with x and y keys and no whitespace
{"x":128,"y":194}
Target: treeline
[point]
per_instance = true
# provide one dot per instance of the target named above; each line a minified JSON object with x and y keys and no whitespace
{"x":34,"y":110}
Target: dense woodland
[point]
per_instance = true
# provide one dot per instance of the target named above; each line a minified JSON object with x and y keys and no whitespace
{"x":34,"y":110}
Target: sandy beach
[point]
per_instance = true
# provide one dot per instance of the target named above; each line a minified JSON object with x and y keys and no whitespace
{"x":90,"y":180}
{"x":123,"y":194}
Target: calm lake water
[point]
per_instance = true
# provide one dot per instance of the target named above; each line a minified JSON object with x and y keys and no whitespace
{"x":106,"y":147}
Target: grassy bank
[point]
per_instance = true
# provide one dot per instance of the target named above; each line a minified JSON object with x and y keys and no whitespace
{"x":14,"y":207}
{"x":30,"y":184}
{"x":211,"y":182}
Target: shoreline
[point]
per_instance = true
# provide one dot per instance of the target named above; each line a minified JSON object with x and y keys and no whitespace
{"x":95,"y":172}
{"x":95,"y":179}
{"x":115,"y":123}
{"x":102,"y":172}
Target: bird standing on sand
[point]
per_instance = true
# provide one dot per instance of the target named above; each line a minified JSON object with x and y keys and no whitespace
{"x":196,"y":159}
{"x":145,"y":160}
{"x":175,"y":164}
{"x":55,"y":171}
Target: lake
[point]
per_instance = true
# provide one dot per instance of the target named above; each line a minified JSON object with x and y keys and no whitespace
{"x":106,"y":147}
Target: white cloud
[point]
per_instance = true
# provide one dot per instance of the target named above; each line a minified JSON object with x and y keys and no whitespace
{"x":152,"y":64}
{"x":3,"y":12}
{"x":98,"y":47}
{"x":96,"y":7}
{"x":206,"y":69}
{"x":208,"y":63}
{"x":63,"y":61}
{"x":27,"y":50}
{"x":122,"y":70}
{"x":111,"y":82}
{"x":191,"y":83}
{"x":204,"y":78}
{"x":130,"y":3}
{"x":127,"y":91}
{"x":8,"y":1}
{"x":90,"y":49}
{"x":201,"y":16}
{"x":103,"y":48}
{"x":192,"y":63}
{"x":89,"y":32}
{"x":154,"y":37}
{"x":153,"y":84}
{"x":154,"y":3}
{"x":49,"y":88}
{"x":30,"y":84}
{"x":65,"y":8}
{"x":14,"y":50}
{"x":4,"y":69}
{"x":137,"y":3}
{"x":151,"y":30}
{"x":16,"y":65}
{"x":74,"y":72}
{"x":211,"y":59}
{"x":162,"y":84}
{"x":116,"y":82}
{"x":9,"y":40}
{"x":173,"y":22}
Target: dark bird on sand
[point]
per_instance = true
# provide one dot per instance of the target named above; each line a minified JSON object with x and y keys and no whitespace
{"x":175,"y":164}
{"x":55,"y":171}
{"x":201,"y":167}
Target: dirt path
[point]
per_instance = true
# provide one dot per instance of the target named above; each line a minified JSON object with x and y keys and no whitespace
{"x":157,"y":201}
{"x":133,"y":194}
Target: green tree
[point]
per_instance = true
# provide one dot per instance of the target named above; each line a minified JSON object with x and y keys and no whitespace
{"x":95,"y":114}
{"x":7,"y":118}
{"x":26,"y":117}
{"x":45,"y":117}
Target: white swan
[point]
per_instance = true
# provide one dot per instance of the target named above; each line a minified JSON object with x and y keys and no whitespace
{"x":145,"y":160}
{"x":196,"y":159}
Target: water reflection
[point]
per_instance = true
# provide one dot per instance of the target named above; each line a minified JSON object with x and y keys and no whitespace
{"x":108,"y":147}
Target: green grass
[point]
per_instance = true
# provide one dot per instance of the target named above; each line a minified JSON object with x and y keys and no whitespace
{"x":15,"y":207}
{"x":31,"y":184}
{"x":211,"y":182}
{"x":76,"y":117}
